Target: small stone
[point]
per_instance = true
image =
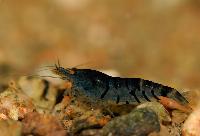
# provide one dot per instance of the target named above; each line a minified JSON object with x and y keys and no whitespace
{"x":41,"y":91}
{"x":10,"y":128}
{"x":179,"y":116}
{"x":191,"y":126}
{"x":42,"y":125}
{"x":89,"y":120}
{"x":139,"y":122}
{"x":14,"y":104}
{"x":164,"y":131}
{"x":159,"y":109}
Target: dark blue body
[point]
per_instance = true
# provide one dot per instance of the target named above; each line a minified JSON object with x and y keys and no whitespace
{"x":98,"y":86}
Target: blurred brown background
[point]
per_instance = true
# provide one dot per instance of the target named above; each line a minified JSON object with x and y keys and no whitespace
{"x":155,"y":40}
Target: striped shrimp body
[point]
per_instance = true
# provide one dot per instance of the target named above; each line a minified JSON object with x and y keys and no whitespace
{"x":98,"y":86}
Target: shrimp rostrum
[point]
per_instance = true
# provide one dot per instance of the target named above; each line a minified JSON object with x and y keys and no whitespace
{"x":98,"y":86}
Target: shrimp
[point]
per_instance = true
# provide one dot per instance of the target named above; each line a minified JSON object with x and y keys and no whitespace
{"x":97,"y":86}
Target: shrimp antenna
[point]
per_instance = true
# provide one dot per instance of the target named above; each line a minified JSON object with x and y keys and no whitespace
{"x":48,"y":66}
{"x":45,"y":69}
{"x":58,"y":64}
{"x":58,"y":61}
{"x":41,"y":76}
